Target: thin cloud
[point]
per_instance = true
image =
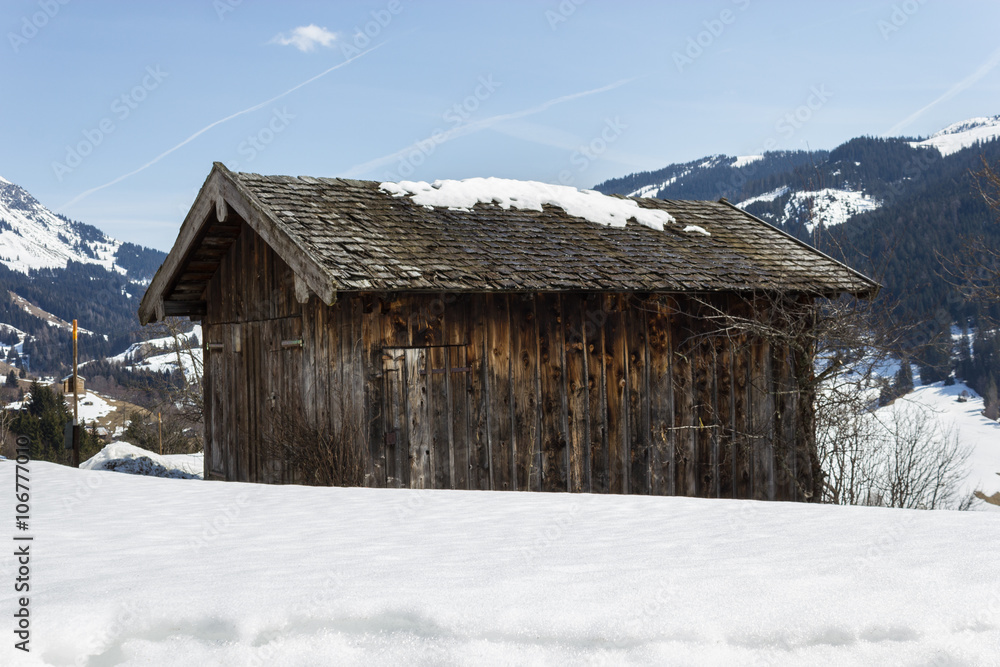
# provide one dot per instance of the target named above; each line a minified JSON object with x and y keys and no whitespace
{"x":469,"y":128}
{"x":306,"y":38}
{"x":962,"y":85}
{"x":208,"y":127}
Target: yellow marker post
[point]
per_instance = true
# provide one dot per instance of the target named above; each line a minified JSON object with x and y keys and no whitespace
{"x":76,"y":408}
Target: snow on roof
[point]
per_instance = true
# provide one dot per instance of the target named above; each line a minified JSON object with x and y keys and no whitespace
{"x":528,"y":195}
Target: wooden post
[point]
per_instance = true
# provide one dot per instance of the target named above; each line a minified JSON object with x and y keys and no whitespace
{"x":76,"y":409}
{"x":159,"y":428}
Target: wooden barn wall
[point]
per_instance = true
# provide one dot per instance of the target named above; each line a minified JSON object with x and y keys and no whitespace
{"x":603,"y":393}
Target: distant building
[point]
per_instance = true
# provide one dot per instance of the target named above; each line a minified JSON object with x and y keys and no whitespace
{"x":67,"y":384}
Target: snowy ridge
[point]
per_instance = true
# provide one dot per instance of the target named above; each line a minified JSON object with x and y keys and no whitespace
{"x":767,"y":196}
{"x":707,"y":163}
{"x":531,"y":196}
{"x":32,"y":237}
{"x":744,"y":160}
{"x":963,"y":134}
{"x":652,"y":190}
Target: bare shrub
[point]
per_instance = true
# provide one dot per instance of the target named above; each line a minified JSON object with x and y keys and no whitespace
{"x":901,"y":457}
{"x":316,"y":456}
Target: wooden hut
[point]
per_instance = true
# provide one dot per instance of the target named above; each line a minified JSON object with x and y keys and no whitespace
{"x":366,"y":333}
{"x":67,"y":384}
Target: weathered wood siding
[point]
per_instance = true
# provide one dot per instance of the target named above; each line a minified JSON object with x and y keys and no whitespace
{"x":579,"y":392}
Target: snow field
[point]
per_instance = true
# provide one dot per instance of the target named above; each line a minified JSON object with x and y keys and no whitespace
{"x":134,"y":570}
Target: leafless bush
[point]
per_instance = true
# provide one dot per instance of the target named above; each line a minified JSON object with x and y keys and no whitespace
{"x":899,"y":457}
{"x":315,"y":456}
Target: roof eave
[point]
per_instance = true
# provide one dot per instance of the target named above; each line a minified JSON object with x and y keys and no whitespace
{"x":867,"y":288}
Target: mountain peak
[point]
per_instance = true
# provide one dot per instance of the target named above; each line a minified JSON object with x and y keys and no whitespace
{"x":33,"y":237}
{"x":969,"y":125}
{"x":962,"y":134}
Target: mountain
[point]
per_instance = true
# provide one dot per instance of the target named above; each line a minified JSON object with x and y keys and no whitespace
{"x":54,"y":270}
{"x":907,"y":211}
{"x":33,"y":237}
{"x":962,"y":135}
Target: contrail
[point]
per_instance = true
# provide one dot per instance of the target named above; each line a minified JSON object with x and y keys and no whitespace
{"x":982,"y":71}
{"x":205,"y":129}
{"x":439,"y":138}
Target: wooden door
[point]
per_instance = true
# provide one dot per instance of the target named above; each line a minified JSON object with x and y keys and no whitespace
{"x":426,"y":417}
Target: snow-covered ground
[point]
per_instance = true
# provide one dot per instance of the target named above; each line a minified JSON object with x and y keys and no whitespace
{"x":91,"y":406}
{"x":129,"y":570}
{"x":127,"y":458}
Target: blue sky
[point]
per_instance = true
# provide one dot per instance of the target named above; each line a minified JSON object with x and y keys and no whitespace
{"x":113,"y":112}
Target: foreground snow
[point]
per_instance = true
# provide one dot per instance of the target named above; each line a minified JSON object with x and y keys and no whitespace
{"x":145,"y":571}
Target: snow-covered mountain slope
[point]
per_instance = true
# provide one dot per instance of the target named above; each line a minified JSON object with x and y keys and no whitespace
{"x":963,"y":134}
{"x":828,"y":207}
{"x":677,"y":173}
{"x":33,"y":237}
{"x":162,"y":354}
{"x":190,"y":572}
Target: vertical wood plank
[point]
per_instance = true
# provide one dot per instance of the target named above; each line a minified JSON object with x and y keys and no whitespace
{"x":458,"y":390}
{"x":704,"y":420}
{"x":724,"y":383}
{"x":552,"y":383}
{"x":616,"y":396}
{"x":660,"y":398}
{"x":499,"y":392}
{"x":478,"y":408}
{"x":685,"y":456}
{"x":373,"y":400}
{"x":578,"y":400}
{"x":524,"y":350}
{"x":440,"y":423}
{"x":595,"y":317}
{"x":638,"y":455}
{"x":394,"y":388}
{"x":418,"y":412}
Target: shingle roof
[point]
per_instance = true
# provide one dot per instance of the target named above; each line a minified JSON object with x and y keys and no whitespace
{"x":359,"y":238}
